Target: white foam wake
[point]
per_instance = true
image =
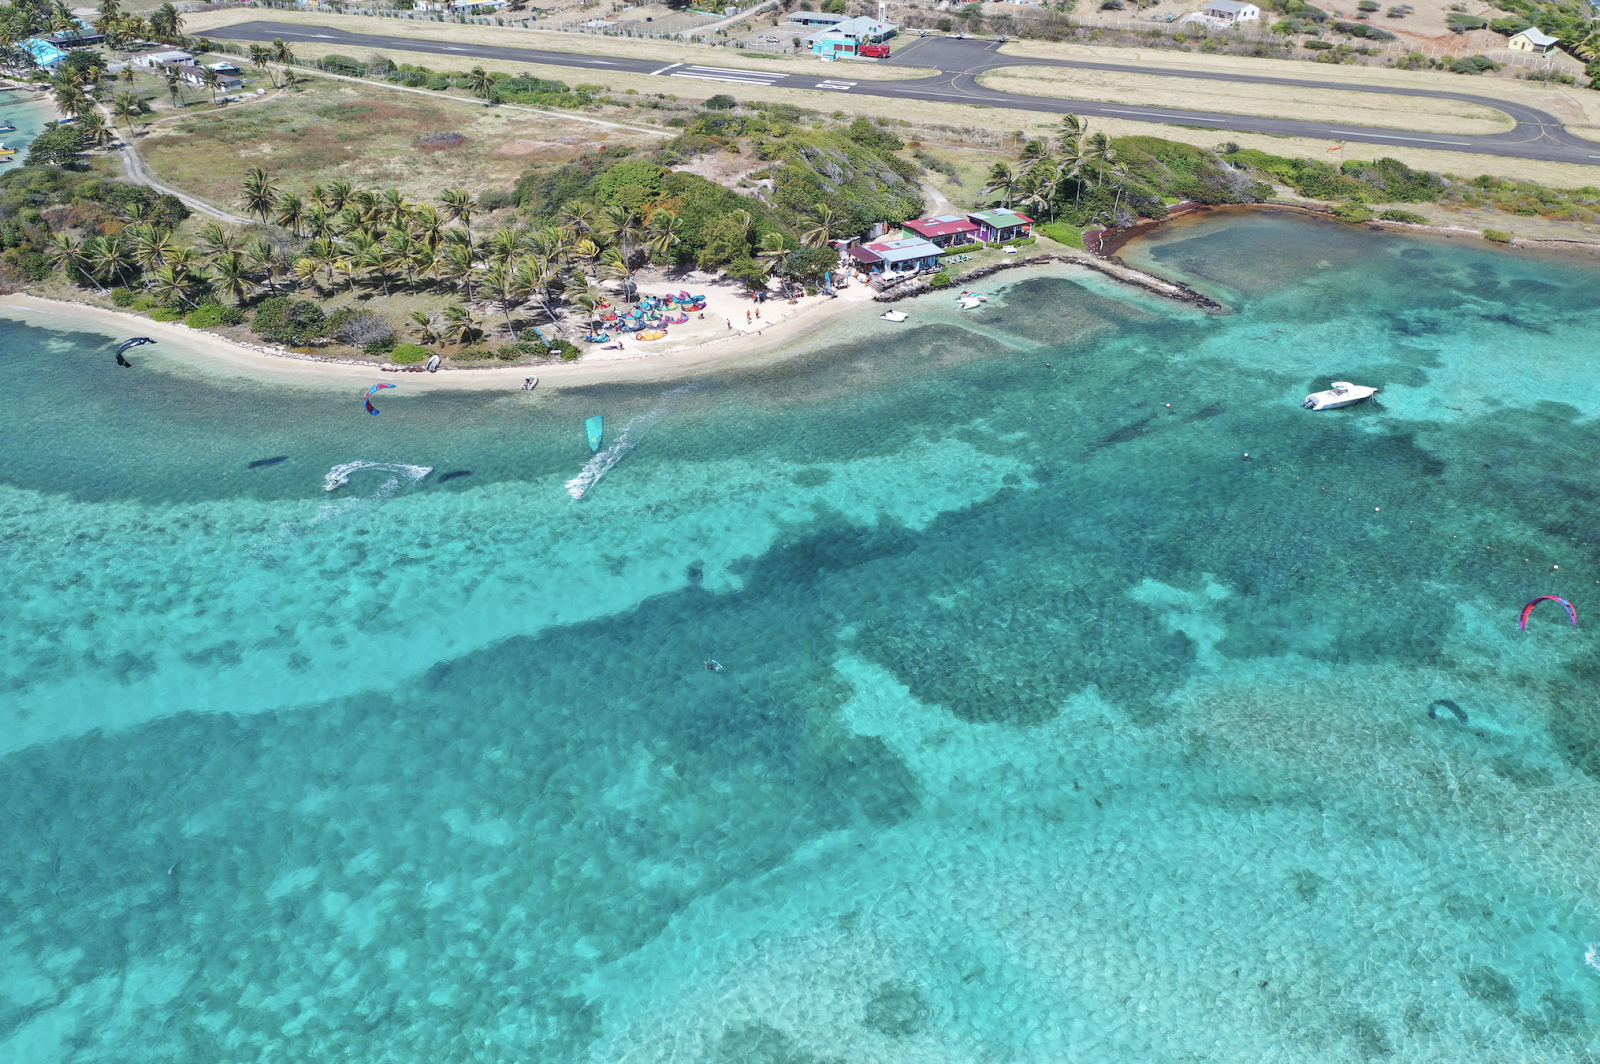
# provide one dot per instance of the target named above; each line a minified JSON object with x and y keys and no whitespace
{"x":339,"y":475}
{"x":1592,"y":957}
{"x":601,"y":463}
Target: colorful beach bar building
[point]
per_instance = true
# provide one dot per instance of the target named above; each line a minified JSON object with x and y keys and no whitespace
{"x":944,"y":230}
{"x":847,"y":37}
{"x":1000,"y":224}
{"x":907,"y":255}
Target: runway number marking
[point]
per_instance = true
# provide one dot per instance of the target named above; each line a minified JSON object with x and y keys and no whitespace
{"x":840,"y":86}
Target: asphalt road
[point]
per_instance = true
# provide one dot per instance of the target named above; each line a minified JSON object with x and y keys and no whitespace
{"x":1537,"y":134}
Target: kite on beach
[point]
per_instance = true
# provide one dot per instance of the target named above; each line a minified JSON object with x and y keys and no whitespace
{"x":1528,"y":609}
{"x":374,"y":390}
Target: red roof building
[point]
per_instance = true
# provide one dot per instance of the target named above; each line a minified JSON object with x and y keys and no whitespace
{"x":945,"y":230}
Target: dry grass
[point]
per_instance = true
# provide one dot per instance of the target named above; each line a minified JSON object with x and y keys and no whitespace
{"x":213,"y":23}
{"x":1573,"y":106}
{"x":1315,"y":105}
{"x":363,"y":134}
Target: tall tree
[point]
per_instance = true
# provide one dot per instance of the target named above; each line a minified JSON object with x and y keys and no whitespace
{"x":260,"y":197}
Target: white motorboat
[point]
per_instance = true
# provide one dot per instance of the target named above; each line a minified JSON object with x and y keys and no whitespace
{"x":1341,"y":393}
{"x":968,"y":303}
{"x":893,"y":315}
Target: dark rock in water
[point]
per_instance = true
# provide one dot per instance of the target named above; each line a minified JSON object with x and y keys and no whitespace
{"x":1522,"y":774}
{"x":1126,"y":433}
{"x":440,"y":141}
{"x":1416,"y":254}
{"x":1433,"y":710}
{"x":895,"y":1010}
{"x":760,"y":1044}
{"x":454,"y":473}
{"x":274,"y":460}
{"x":1492,"y":988}
{"x":1211,"y":411}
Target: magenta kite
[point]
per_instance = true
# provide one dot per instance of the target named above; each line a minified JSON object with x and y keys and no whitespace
{"x":374,"y":390}
{"x":1528,"y":609}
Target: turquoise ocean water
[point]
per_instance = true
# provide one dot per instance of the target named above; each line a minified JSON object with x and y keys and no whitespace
{"x":1051,"y":729}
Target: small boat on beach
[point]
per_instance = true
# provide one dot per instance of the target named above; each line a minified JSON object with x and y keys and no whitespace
{"x":7,"y":151}
{"x":596,"y":428}
{"x":969,"y":303}
{"x":433,"y":363}
{"x":1341,"y":393}
{"x":893,"y":315}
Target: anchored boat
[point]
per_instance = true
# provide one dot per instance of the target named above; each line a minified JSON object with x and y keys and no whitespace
{"x":1340,"y":393}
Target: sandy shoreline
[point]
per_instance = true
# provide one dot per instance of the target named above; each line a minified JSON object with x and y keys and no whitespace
{"x":703,"y":344}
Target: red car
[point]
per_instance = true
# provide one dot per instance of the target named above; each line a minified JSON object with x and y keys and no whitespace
{"x":873,"y":51}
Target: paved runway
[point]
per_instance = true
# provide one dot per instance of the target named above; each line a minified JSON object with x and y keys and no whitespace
{"x":1537,"y":135}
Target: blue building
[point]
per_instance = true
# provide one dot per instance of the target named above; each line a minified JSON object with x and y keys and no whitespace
{"x":43,"y":52}
{"x":847,"y":37}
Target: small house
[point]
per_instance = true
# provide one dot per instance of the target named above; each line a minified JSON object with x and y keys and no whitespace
{"x":47,"y":55}
{"x":908,"y":255}
{"x":1231,"y":11}
{"x":816,"y":18}
{"x":1000,"y":224}
{"x":846,"y":37}
{"x":161,"y":57}
{"x":1533,"y":40}
{"x":196,"y":75}
{"x":945,"y":230}
{"x":477,"y":7}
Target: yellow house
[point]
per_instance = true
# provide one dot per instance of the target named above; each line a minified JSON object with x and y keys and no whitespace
{"x":1533,"y":40}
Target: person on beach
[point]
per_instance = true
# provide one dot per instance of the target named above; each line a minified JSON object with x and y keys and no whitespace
{"x":747,"y":317}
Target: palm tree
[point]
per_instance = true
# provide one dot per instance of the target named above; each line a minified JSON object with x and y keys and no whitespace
{"x":318,"y":223}
{"x":1074,"y":157}
{"x":259,"y":195}
{"x":208,"y":77}
{"x":578,"y":216}
{"x":95,"y":130}
{"x":264,"y":259}
{"x":619,"y":223}
{"x":305,"y":273}
{"x":1034,"y":152}
{"x":126,"y":108}
{"x":503,"y":247}
{"x":284,"y":55}
{"x":174,"y":87}
{"x":166,"y":22}
{"x":459,"y":325}
{"x":325,"y":253}
{"x":111,"y":256}
{"x":1102,"y":154}
{"x":458,"y":206}
{"x":231,"y":276}
{"x":501,"y":285}
{"x":666,"y":233}
{"x":70,"y":98}
{"x":291,"y":212}
{"x":427,"y":328}
{"x":71,"y":255}
{"x":479,"y":82}
{"x":1003,"y":181}
{"x":127,"y":74}
{"x":152,"y":247}
{"x":1072,"y":126}
{"x":260,"y":56}
{"x":338,"y":195}
{"x":428,"y":225}
{"x":172,"y":281}
{"x":455,"y":262}
{"x":774,"y":250}
{"x":616,"y":268}
{"x":216,"y":241}
{"x":819,"y":234}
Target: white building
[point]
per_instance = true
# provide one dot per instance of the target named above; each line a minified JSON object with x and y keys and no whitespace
{"x":1533,"y":40}
{"x":1231,"y":11}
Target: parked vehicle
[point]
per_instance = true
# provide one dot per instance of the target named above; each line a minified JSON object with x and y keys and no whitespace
{"x":873,"y":51}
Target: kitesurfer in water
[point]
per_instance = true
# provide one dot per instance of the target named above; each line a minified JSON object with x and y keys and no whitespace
{"x":714,"y":666}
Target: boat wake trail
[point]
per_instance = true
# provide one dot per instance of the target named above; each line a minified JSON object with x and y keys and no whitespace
{"x":339,"y":475}
{"x":629,"y":438}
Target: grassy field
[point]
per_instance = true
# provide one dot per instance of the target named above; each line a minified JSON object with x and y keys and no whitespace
{"x":1280,"y":101}
{"x":1573,"y":106}
{"x":328,"y":130}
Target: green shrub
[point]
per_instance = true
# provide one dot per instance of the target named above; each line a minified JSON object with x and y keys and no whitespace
{"x":566,"y":349}
{"x":508,"y":352}
{"x":1062,"y":233}
{"x":475,"y":353}
{"x":1318,"y":46}
{"x":165,"y":314}
{"x":292,"y":321}
{"x":405,"y":354}
{"x":206,"y":316}
{"x":380,"y":347}
{"x":1403,"y":216}
{"x":961,"y":248}
{"x":940,"y":280}
{"x":144,"y":301}
{"x":1499,"y":236}
{"x":122,"y":297}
